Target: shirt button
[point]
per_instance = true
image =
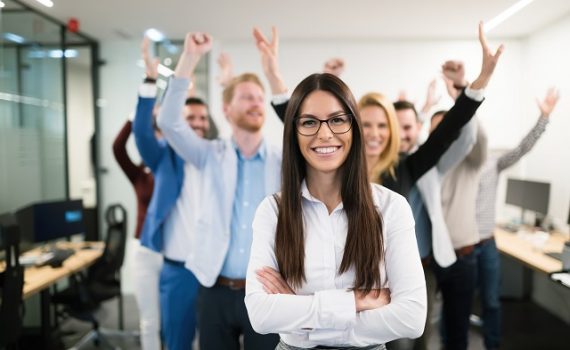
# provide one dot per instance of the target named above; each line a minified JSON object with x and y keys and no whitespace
{"x":241,"y":251}
{"x":245,"y":204}
{"x":243,"y":227}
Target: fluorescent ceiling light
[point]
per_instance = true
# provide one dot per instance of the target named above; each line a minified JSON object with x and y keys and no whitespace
{"x":154,"y":34}
{"x":59,"y":53}
{"x":2,"y":4}
{"x":53,"y":54}
{"x":14,"y":38}
{"x":46,"y":3}
{"x":503,"y":16}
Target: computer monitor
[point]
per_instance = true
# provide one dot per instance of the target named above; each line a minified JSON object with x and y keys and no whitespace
{"x":528,"y":195}
{"x":47,"y":221}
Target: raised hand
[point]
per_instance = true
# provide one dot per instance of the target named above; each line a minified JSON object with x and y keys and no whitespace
{"x":273,"y":282}
{"x":150,"y":63}
{"x":372,"y":300}
{"x":226,"y":69}
{"x":432,"y":98}
{"x":334,"y":66}
{"x":197,"y":43}
{"x":269,"y":52}
{"x":490,"y":61}
{"x":547,"y":105}
{"x":451,"y":90}
{"x":195,"y":46}
{"x":454,"y":71}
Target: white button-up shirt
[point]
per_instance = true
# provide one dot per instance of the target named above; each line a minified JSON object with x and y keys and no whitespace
{"x":323,"y":311}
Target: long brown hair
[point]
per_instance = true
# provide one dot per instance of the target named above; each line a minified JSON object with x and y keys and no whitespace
{"x":364,"y":248}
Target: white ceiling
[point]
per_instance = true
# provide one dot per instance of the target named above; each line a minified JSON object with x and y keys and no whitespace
{"x":322,"y":19}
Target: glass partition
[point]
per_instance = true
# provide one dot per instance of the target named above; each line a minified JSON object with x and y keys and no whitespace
{"x":32,"y":116}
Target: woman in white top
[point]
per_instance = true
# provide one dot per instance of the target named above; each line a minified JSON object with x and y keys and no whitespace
{"x":334,"y":261}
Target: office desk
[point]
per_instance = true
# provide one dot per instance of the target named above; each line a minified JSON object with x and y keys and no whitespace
{"x":523,"y":250}
{"x":37,"y":279}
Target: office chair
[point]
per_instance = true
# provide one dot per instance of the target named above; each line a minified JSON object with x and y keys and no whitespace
{"x":11,"y":287}
{"x":102,"y":281}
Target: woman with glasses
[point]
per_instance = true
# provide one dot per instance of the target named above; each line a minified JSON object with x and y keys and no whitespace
{"x":334,"y":263}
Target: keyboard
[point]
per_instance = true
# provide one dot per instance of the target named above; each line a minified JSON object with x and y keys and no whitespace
{"x":54,"y":257}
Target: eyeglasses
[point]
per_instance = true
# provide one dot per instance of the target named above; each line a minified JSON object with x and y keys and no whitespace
{"x":309,"y":126}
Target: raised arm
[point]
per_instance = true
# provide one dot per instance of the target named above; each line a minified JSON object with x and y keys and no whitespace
{"x":269,"y":53}
{"x":454,"y":72}
{"x":226,"y":69}
{"x":149,"y":147}
{"x":120,"y":152}
{"x":527,"y":143}
{"x":180,"y":136}
{"x":465,"y":106}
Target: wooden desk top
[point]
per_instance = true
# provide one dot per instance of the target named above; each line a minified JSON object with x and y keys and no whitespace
{"x":39,"y":278}
{"x":524,"y":251}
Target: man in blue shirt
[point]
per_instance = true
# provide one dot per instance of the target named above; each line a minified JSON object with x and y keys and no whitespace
{"x":236,"y":175}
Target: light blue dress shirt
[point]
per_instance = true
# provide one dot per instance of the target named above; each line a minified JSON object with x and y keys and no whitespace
{"x":250,"y":191}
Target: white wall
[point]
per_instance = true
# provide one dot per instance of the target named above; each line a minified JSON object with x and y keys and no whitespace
{"x":120,"y":78}
{"x":80,"y":128}
{"x":546,"y":58}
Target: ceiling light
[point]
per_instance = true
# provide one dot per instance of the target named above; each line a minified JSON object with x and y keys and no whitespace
{"x":503,"y":16}
{"x":2,"y":4}
{"x":14,"y":38}
{"x":154,"y":34}
{"x":46,"y":3}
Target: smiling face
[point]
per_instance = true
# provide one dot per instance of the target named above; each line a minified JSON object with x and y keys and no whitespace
{"x":410,"y":129}
{"x":196,"y":116}
{"x":246,"y":110}
{"x":375,"y":129}
{"x":325,"y":151}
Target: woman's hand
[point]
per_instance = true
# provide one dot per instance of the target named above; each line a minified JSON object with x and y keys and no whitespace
{"x":374,"y":299}
{"x":272,"y":281}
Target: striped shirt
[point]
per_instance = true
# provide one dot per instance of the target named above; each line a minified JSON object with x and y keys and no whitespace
{"x":486,"y":197}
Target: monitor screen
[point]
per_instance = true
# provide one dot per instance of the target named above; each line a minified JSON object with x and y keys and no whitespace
{"x":529,"y":195}
{"x":47,"y":221}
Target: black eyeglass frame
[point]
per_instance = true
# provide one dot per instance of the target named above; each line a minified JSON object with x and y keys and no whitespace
{"x":326,"y":121}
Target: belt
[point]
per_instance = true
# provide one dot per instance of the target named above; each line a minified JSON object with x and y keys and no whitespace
{"x":464,"y":251}
{"x":234,"y":284}
{"x":485,"y":240}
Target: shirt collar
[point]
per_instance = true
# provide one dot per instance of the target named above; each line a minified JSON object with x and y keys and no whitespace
{"x":308,"y":196}
{"x":261,"y":151}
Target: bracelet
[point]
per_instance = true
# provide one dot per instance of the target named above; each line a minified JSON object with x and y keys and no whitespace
{"x":149,"y":80}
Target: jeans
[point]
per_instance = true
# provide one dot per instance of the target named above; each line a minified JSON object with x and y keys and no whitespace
{"x":489,"y":284}
{"x":178,"y":294}
{"x":457,"y":284}
{"x":148,"y":264}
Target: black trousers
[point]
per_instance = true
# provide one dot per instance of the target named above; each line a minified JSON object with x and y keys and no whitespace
{"x":222,"y":318}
